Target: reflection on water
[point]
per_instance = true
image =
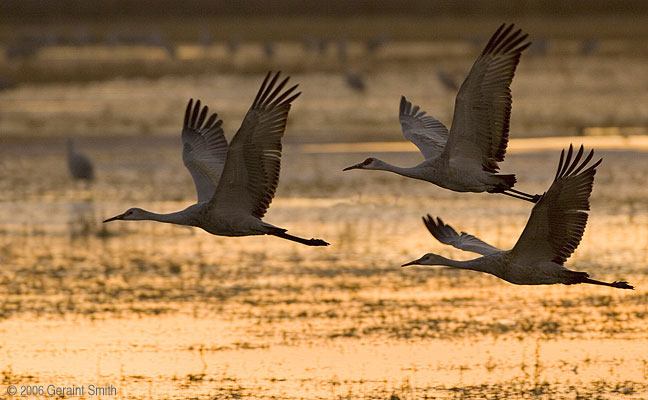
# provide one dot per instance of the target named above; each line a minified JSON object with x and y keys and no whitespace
{"x":171,"y":357}
{"x":172,"y":312}
{"x":161,"y":311}
{"x":637,"y":143}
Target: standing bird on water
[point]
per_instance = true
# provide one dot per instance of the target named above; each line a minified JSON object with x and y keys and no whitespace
{"x":235,"y":183}
{"x":553,"y":232}
{"x":79,"y":164}
{"x":465,"y":159}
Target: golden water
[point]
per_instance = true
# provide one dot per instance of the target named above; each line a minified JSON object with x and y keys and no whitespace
{"x":166,"y":312}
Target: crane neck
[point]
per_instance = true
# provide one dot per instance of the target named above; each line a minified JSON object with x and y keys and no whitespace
{"x":476,"y":264}
{"x":178,"y":217}
{"x":415,"y":172}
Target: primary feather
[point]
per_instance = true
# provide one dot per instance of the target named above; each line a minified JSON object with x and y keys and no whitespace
{"x":480,"y":126}
{"x":251,"y":174}
{"x":558,"y":220}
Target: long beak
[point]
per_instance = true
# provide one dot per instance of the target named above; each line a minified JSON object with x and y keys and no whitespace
{"x":120,"y":216}
{"x":357,"y":166}
{"x":415,"y":262}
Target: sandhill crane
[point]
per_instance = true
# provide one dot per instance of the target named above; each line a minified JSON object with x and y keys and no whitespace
{"x":233,"y":45}
{"x":375,"y":44}
{"x":447,"y":80}
{"x":539,"y":48}
{"x":355,"y":81}
{"x":268,"y":49}
{"x":551,"y":235}
{"x":205,"y":38}
{"x":79,"y":164}
{"x":341,"y":48}
{"x":322,"y":45}
{"x":236,"y":183}
{"x":465,"y":159}
{"x":589,"y":46}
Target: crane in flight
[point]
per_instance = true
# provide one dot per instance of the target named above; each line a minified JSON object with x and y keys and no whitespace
{"x":236,"y":183}
{"x":553,"y":232}
{"x":465,"y":158}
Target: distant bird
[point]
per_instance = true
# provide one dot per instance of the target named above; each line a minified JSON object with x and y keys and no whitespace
{"x":308,"y":43}
{"x":539,"y":48}
{"x":375,"y":44}
{"x":235,"y":184}
{"x":553,"y":232}
{"x":7,"y":84}
{"x":589,"y":46}
{"x":28,"y":44}
{"x":355,"y":81}
{"x":322,"y":45}
{"x":79,"y":164}
{"x":268,"y":50}
{"x":341,"y":48}
{"x":465,"y":159}
{"x":205,"y":38}
{"x":233,"y":45}
{"x":157,"y":39}
{"x":447,"y":80}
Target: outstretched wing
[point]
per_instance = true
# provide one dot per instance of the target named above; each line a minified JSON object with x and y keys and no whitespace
{"x":204,"y":149}
{"x":558,"y":219}
{"x":427,"y":133}
{"x":447,"y":235}
{"x":480,"y":126}
{"x":251,"y":172}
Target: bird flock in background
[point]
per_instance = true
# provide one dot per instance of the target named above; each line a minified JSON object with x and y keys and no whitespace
{"x":236,"y":182}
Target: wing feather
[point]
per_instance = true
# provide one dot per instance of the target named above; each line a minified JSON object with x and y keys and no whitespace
{"x":204,"y":149}
{"x":447,"y":235}
{"x":251,"y":173}
{"x":426,"y":132}
{"x":480,"y":126}
{"x":558,"y":219}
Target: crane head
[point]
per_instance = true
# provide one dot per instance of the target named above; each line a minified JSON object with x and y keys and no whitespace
{"x":428,"y":259}
{"x":366,"y":164}
{"x":130,"y":214}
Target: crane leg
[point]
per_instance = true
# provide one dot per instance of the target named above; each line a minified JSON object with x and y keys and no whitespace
{"x":308,"y":242}
{"x":534,"y":197}
{"x":517,"y":196}
{"x":615,"y":284}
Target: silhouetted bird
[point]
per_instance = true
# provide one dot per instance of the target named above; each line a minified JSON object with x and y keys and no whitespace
{"x":268,"y":50}
{"x":79,"y":164}
{"x":341,"y":47}
{"x":375,"y":44}
{"x":447,"y":80}
{"x":466,"y":158}
{"x":236,"y":183}
{"x":355,"y":81}
{"x":552,"y":233}
{"x":589,"y":46}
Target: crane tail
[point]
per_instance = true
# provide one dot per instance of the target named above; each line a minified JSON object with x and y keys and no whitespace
{"x":308,"y":242}
{"x":506,"y":181}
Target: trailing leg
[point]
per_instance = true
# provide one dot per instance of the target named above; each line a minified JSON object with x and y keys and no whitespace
{"x":516,"y":196}
{"x":309,"y":242}
{"x":533,"y":197}
{"x":615,"y":284}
